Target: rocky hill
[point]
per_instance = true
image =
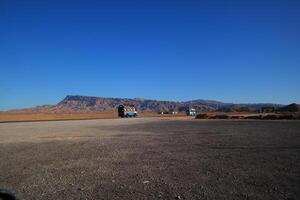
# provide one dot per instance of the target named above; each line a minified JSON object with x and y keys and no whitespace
{"x":85,"y":104}
{"x":290,"y":108}
{"x":247,"y":107}
{"x":101,"y":104}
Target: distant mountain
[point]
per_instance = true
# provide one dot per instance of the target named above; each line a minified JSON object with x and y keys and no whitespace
{"x":80,"y":104}
{"x":102,"y":104}
{"x":247,"y":107}
{"x":290,"y":108}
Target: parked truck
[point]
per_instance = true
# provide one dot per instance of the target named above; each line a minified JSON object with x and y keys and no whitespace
{"x":191,"y":112}
{"x":127,"y":111}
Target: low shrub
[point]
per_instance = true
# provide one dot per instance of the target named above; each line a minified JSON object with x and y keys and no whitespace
{"x":282,"y":116}
{"x":202,"y":116}
{"x":288,"y":116}
{"x":237,"y":117}
{"x":254,"y":117}
{"x":219,"y":117}
{"x":270,"y":117}
{"x":259,"y":117}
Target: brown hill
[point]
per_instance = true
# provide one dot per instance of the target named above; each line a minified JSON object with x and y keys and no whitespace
{"x":290,"y":108}
{"x":87,"y":104}
{"x":102,"y":104}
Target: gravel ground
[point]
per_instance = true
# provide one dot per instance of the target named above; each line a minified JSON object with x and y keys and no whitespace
{"x":151,"y":158}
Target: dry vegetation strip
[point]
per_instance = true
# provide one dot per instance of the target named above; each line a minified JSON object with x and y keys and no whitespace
{"x":155,"y":114}
{"x":256,"y":116}
{"x":9,"y":117}
{"x":23,"y":117}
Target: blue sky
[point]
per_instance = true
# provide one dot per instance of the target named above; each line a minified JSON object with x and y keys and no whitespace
{"x":230,"y":50}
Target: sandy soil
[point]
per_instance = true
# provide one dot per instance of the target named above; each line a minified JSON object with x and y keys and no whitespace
{"x":151,"y":158}
{"x":31,"y":117}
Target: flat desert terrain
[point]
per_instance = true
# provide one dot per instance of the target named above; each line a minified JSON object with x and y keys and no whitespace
{"x":30,"y":117}
{"x":151,"y":158}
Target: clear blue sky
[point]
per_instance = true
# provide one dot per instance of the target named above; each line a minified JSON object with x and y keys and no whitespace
{"x":230,"y":50}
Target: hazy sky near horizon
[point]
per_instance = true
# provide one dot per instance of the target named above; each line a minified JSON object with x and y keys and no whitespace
{"x":227,"y":50}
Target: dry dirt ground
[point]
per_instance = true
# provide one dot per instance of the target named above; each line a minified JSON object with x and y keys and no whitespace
{"x":151,"y":158}
{"x":30,"y":117}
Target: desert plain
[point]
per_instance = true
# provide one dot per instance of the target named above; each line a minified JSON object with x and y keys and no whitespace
{"x":151,"y":158}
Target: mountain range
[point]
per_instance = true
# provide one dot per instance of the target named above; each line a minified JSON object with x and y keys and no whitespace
{"x":87,"y":104}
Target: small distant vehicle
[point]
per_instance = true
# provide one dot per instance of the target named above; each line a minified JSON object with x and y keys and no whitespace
{"x":127,"y":111}
{"x":191,"y":112}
